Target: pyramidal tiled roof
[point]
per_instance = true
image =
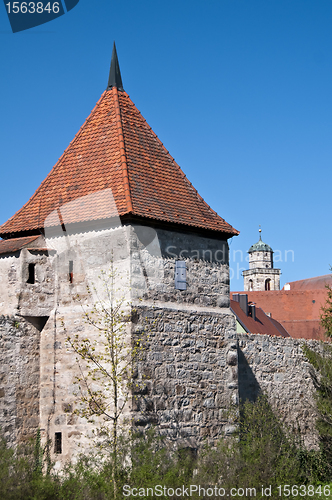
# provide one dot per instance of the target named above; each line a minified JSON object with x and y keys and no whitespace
{"x":116,"y":152}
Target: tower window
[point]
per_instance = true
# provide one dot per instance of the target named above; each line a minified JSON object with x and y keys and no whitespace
{"x":251,"y":286}
{"x":31,"y":276}
{"x":268,"y":284}
{"x":58,"y":443}
{"x":71,"y":271}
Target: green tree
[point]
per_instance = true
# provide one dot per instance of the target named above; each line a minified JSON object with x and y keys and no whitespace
{"x":107,"y":362}
{"x":321,"y":374}
{"x":263,"y":452}
{"x":326,"y":313}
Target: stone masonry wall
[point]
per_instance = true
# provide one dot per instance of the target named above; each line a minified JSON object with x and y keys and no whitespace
{"x":187,"y":382}
{"x":195,"y":367}
{"x":187,"y":379}
{"x":258,"y":278}
{"x":261,"y":260}
{"x":154,"y":253}
{"x":19,"y":379}
{"x":277,"y":367}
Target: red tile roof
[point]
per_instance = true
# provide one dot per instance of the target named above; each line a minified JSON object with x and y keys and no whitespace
{"x":115,"y":155}
{"x":298,"y":311}
{"x":15,"y":244}
{"x":283,"y":331}
{"x":262,"y":324}
{"x":316,"y":283}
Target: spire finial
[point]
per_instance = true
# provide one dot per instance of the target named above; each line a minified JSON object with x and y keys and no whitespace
{"x":260,"y":233}
{"x":114,"y":79}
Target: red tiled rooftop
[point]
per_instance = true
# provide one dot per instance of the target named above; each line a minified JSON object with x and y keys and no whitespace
{"x":15,"y":244}
{"x":115,"y":155}
{"x":262,"y":324}
{"x":297,"y":310}
{"x":316,"y":283}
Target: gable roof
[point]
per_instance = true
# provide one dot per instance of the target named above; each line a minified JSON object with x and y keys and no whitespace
{"x":261,"y":324}
{"x":116,"y":150}
{"x":298,"y":311}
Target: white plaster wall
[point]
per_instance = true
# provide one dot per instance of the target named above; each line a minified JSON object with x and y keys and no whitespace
{"x":10,"y":283}
{"x":92,"y":253}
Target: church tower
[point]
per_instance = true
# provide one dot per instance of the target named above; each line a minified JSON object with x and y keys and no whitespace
{"x":261,"y":276}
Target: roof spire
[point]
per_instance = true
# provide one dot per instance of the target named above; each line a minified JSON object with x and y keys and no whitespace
{"x":114,"y":79}
{"x":260,"y":233}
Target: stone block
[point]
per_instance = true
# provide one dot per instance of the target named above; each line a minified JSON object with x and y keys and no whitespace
{"x":209,"y":403}
{"x":60,"y":420}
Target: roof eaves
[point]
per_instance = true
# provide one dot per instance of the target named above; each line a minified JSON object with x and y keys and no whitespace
{"x":177,"y":226}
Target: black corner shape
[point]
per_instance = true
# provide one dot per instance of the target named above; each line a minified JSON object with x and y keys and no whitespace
{"x":70,"y":4}
{"x":24,"y":15}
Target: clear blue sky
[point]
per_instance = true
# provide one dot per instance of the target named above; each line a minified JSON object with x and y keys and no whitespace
{"x":239,"y":91}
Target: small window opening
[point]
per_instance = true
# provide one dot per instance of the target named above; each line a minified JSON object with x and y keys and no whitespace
{"x":31,"y":277}
{"x":71,"y":271}
{"x":267,"y":284}
{"x":251,"y":286}
{"x":58,"y":443}
{"x":180,"y":275}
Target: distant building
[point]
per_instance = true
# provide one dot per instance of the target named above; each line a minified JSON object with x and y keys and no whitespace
{"x":297,"y":306}
{"x":261,"y":276}
{"x":252,"y":319}
{"x":316,"y":283}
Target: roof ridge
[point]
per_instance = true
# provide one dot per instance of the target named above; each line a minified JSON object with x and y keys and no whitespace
{"x":58,"y":163}
{"x":180,"y":169}
{"x":124,"y":164}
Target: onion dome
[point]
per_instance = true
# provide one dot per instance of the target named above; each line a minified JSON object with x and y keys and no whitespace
{"x":260,"y":246}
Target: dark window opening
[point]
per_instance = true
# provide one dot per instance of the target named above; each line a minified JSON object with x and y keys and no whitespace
{"x":267,"y":284}
{"x":37,"y":321}
{"x":251,"y":286}
{"x":58,"y":443}
{"x":71,"y":271}
{"x":31,"y":278}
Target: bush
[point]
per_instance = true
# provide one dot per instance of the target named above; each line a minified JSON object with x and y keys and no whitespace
{"x":262,"y":452}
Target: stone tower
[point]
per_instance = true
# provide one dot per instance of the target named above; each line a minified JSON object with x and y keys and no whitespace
{"x":116,"y":194}
{"x":261,"y":276}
